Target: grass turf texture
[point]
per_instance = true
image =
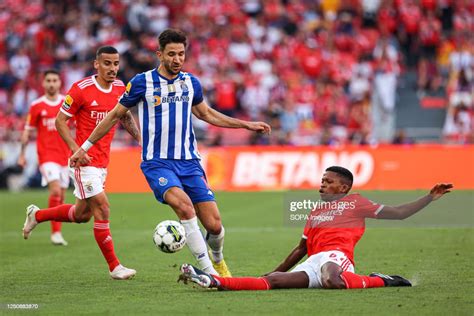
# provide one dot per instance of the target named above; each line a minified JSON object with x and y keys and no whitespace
{"x":437,"y":257}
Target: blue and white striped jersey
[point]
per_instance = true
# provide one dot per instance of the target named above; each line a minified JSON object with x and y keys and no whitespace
{"x":164,"y":110}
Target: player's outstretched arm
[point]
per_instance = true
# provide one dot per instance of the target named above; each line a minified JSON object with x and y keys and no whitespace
{"x":406,"y":210}
{"x":293,"y":258}
{"x":25,"y":137}
{"x":203,"y":112}
{"x":80,"y":155}
{"x":131,"y":126}
{"x":64,"y":131}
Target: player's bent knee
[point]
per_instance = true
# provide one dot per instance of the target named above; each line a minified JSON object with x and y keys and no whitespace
{"x":101,"y":210}
{"x":184,"y":209}
{"x":276,"y":280}
{"x":215,"y":228}
{"x":104,"y":208}
{"x":330,"y":281}
{"x":82,"y":218}
{"x":273,"y":281}
{"x":55,"y":193}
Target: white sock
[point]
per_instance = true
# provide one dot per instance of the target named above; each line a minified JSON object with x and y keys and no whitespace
{"x":197,"y":245}
{"x":216,"y":243}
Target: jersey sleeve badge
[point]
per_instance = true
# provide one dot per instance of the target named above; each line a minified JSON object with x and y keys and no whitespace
{"x":68,"y":100}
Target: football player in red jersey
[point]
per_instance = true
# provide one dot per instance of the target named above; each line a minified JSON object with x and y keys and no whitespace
{"x":52,"y":150}
{"x":88,"y":101}
{"x":333,"y":229}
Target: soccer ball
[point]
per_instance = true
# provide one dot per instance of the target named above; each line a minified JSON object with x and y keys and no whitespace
{"x":169,"y":236}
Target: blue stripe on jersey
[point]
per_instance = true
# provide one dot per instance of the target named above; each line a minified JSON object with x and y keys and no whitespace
{"x":192,"y":140}
{"x":172,"y":126}
{"x":186,"y":126}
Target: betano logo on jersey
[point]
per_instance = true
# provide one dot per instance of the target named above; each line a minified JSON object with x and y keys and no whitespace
{"x":175,"y":98}
{"x":68,"y":100}
{"x":170,"y":99}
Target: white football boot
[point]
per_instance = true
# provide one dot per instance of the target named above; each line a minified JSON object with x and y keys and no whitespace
{"x":122,"y":273}
{"x":30,"y":221}
{"x":57,"y":239}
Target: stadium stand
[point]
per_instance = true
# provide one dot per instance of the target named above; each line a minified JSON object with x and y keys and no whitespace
{"x":322,"y":72}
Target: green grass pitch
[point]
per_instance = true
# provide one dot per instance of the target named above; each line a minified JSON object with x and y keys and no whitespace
{"x":435,"y":250}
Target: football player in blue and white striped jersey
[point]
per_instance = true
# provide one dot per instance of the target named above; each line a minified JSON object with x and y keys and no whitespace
{"x":166,"y":97}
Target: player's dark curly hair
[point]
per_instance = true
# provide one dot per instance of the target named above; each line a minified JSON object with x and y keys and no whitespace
{"x":105,"y":50}
{"x":50,"y":71}
{"x":171,"y":36}
{"x":343,"y":173}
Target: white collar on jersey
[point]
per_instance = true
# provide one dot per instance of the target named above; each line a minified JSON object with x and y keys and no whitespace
{"x":169,"y":80}
{"x":52,"y":102}
{"x":99,"y":87}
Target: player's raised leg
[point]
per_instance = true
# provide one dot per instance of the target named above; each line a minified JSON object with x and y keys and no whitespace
{"x":35,"y":215}
{"x":184,"y":209}
{"x":77,"y":213}
{"x":208,"y":214}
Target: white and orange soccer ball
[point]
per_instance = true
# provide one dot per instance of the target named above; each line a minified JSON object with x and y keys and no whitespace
{"x":169,"y":236}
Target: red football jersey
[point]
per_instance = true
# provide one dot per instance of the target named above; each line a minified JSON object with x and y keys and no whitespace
{"x":49,"y":144}
{"x":339,"y":225}
{"x":89,"y":103}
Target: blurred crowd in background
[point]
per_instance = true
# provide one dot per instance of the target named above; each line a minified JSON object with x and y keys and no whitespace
{"x":320,"y":72}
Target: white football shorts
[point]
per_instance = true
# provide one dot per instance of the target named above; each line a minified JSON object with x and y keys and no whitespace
{"x":312,"y":265}
{"x":88,"y":181}
{"x":52,"y":171}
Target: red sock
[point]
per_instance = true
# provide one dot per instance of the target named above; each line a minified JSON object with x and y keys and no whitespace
{"x":238,"y":284}
{"x":355,"y":281}
{"x":61,"y":213}
{"x":104,"y":241}
{"x":54,"y":200}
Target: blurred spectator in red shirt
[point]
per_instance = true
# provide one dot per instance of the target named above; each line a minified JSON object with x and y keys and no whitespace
{"x":226,"y":95}
{"x":430,"y":35}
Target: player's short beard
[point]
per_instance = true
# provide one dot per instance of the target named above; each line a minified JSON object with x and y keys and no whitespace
{"x":170,"y":70}
{"x":51,"y":91}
